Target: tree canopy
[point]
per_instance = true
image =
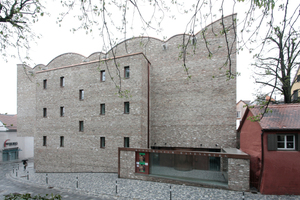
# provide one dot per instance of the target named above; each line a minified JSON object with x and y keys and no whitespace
{"x":265,"y":27}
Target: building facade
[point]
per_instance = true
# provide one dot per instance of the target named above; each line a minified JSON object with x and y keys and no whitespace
{"x":295,"y":91}
{"x":13,"y":147}
{"x":274,"y":146}
{"x":78,"y":119}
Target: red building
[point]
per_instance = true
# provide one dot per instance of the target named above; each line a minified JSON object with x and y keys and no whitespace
{"x":274,"y":146}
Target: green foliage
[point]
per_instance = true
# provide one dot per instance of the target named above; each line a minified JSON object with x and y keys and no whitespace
{"x":16,"y":196}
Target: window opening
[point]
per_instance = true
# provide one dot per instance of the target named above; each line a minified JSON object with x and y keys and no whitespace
{"x":126,"y":142}
{"x":102,"y":142}
{"x":81,"y":126}
{"x":126,"y":72}
{"x":45,"y":84}
{"x":81,"y":94}
{"x":62,"y":81}
{"x":44,"y":112}
{"x":102,"y":74}
{"x":126,"y":107}
{"x":44,"y":140}
{"x":102,"y":109}
{"x":62,"y":138}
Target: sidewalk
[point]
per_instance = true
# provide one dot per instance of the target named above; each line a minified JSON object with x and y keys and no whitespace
{"x":108,"y":185}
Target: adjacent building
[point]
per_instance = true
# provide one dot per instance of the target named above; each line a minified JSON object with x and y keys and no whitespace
{"x":295,"y":91}
{"x":274,"y":146}
{"x":13,"y":147}
{"x":241,"y":107}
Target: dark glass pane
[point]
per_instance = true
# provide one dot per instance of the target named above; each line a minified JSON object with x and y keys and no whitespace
{"x":290,"y":145}
{"x":290,"y":138}
{"x":280,"y":145}
{"x":280,"y":138}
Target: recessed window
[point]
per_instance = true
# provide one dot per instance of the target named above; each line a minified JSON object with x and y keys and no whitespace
{"x":238,"y":114}
{"x":62,"y":138}
{"x":45,"y":83}
{"x":286,"y":142}
{"x":102,"y":109}
{"x":44,"y":140}
{"x":102,"y":76}
{"x":126,"y":107}
{"x":102,"y":142}
{"x":81,"y":94}
{"x":44,"y":112}
{"x":126,"y":142}
{"x":62,"y":81}
{"x":126,"y":72}
{"x":62,"y":111}
{"x":298,"y":78}
{"x":81,"y":126}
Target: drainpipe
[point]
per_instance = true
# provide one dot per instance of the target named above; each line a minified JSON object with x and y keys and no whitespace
{"x":148,"y":106}
{"x":262,"y":159}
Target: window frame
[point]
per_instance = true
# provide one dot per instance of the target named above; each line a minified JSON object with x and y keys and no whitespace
{"x":81,"y":95}
{"x":81,"y":126}
{"x":125,"y":70}
{"x":45,"y":84}
{"x":126,"y":110}
{"x":102,"y":142}
{"x":102,"y":109}
{"x":126,"y":142}
{"x":285,"y":142}
{"x":102,"y":76}
{"x":44,"y":141}
{"x":62,"y":81}
{"x":45,"y":112}
{"x":272,"y":141}
{"x":62,"y":141}
{"x":62,"y":111}
{"x":238,"y":114}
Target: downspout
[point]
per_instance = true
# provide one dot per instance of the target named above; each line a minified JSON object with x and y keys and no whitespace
{"x":262,"y":159}
{"x":148,"y":106}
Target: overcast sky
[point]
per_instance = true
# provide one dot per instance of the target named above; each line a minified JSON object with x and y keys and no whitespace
{"x":58,"y":40}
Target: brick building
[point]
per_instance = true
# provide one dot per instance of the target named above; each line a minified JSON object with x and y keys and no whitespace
{"x":78,"y":121}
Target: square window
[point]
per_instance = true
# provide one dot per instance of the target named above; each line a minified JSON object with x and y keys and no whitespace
{"x":44,"y":140}
{"x":126,"y":72}
{"x":102,"y":109}
{"x":81,"y":95}
{"x":102,"y":142}
{"x":45,"y":83}
{"x":286,"y":142}
{"x":102,"y":76}
{"x":126,"y":142}
{"x":62,"y":111}
{"x":44,"y":112}
{"x":126,"y":107}
{"x":81,"y":126}
{"x":62,"y":81}
{"x":62,"y":138}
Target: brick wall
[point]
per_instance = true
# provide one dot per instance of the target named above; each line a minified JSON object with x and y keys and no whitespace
{"x":239,"y":174}
{"x":196,"y":112}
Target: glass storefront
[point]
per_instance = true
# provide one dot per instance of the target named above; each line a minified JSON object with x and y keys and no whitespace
{"x":10,"y":154}
{"x":191,"y":168}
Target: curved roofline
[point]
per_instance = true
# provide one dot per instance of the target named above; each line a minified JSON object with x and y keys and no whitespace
{"x":234,"y":14}
{"x":65,"y":54}
{"x":139,"y":37}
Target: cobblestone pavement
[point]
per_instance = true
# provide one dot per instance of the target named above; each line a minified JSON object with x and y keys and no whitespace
{"x":103,"y":186}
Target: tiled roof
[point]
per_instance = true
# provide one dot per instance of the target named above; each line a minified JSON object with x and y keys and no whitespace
{"x":10,"y":121}
{"x":282,"y":116}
